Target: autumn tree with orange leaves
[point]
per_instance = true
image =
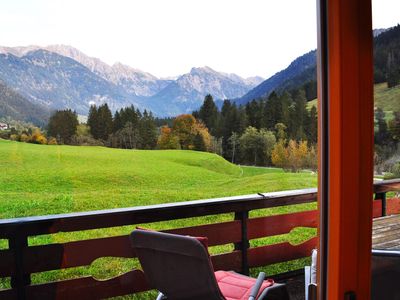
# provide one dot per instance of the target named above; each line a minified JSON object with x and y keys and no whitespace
{"x":185,"y":128}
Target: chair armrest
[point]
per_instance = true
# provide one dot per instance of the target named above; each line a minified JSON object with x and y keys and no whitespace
{"x":256,"y":287}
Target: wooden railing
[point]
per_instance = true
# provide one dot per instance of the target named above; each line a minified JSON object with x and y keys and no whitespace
{"x":20,"y":260}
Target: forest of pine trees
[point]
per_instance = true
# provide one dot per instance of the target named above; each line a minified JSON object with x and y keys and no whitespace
{"x":282,"y":117}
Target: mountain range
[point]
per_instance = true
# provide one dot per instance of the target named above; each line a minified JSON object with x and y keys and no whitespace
{"x":61,"y":76}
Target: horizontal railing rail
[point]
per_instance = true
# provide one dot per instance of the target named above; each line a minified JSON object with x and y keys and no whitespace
{"x":21,"y":259}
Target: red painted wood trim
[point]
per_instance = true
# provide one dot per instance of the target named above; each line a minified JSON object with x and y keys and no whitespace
{"x":377,"y":208}
{"x":393,"y":206}
{"x":280,"y":224}
{"x":350,"y":92}
{"x":90,"y":288}
{"x":266,"y":255}
{"x":227,"y":261}
{"x":82,"y":253}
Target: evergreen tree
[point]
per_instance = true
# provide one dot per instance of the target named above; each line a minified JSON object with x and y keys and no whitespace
{"x":254,"y":113}
{"x":299,"y":117}
{"x":208,"y":113}
{"x":394,"y":127}
{"x":104,"y":125}
{"x":117,"y":122}
{"x":63,"y":125}
{"x":393,"y":69}
{"x":312,"y":126}
{"x":93,"y":121}
{"x":285,"y":106}
{"x":198,"y":143}
{"x":234,"y":145}
{"x":382,"y":135}
{"x":148,"y":131}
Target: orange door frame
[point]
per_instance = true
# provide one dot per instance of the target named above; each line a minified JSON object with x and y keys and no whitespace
{"x":345,"y":74}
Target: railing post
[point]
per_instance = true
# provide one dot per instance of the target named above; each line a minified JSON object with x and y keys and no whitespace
{"x":382,"y":197}
{"x":243,"y":216}
{"x":20,"y":280}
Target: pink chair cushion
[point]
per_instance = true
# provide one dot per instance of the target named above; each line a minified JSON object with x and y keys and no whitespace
{"x":235,"y":286}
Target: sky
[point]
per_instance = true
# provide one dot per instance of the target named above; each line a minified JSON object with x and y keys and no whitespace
{"x":169,"y":37}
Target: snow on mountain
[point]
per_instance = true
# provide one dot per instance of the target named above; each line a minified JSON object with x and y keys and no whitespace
{"x":132,"y":80}
{"x":61,"y":76}
{"x":59,"y":82}
{"x":187,"y":92}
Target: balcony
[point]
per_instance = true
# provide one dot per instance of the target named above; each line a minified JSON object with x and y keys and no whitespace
{"x":21,"y":259}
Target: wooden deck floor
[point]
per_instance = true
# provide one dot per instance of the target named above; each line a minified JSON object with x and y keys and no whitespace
{"x":386,"y":233}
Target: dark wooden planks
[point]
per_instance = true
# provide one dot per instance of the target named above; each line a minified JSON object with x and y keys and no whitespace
{"x":387,"y":186}
{"x":386,"y":233}
{"x":7,"y":263}
{"x":8,"y":294}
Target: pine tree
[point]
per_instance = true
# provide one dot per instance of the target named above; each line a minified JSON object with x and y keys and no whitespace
{"x":312,"y":126}
{"x":382,"y":135}
{"x":104,"y":126}
{"x":93,"y":121}
{"x":117,"y":122}
{"x":147,"y":131}
{"x":63,"y":125}
{"x":299,"y":116}
{"x":393,"y":69}
{"x":394,"y":127}
{"x":254,"y":113}
{"x":208,"y":113}
{"x":198,"y":143}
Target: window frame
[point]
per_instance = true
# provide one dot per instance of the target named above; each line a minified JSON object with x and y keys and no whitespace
{"x":345,"y":92}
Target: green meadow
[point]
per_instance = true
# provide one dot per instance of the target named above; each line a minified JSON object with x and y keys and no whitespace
{"x":40,"y":180}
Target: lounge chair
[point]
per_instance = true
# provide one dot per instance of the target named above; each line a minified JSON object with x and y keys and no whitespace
{"x":179,"y":267}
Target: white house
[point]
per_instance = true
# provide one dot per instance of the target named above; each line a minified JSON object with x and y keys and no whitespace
{"x":3,"y":126}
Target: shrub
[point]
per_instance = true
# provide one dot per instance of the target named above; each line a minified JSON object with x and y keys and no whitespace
{"x":85,"y":140}
{"x":52,"y":141}
{"x":38,"y":138}
{"x":24,"y":138}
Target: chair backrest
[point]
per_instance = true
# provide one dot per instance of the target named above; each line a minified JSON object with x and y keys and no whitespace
{"x":178,"y":266}
{"x":385,"y":275}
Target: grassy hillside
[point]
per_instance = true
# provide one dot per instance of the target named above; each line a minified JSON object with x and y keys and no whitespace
{"x":39,"y":179}
{"x":386,"y":98}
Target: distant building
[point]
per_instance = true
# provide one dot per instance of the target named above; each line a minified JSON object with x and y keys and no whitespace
{"x":3,"y":126}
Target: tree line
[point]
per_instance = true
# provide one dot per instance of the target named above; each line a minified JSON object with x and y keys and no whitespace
{"x":278,"y":130}
{"x":260,"y":123}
